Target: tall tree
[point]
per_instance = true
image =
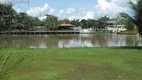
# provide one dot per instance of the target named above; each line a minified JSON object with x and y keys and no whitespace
{"x":91,"y":23}
{"x":102,"y":22}
{"x":51,"y":22}
{"x":7,"y":14}
{"x":84,"y":23}
{"x":24,"y":21}
{"x":75,"y":22}
{"x":137,"y":12}
{"x":66,"y":21}
{"x":125,"y":21}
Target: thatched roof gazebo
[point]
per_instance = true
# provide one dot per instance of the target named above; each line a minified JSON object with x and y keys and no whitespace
{"x":65,"y":26}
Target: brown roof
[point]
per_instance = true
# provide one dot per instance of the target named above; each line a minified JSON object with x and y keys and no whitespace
{"x":66,"y":25}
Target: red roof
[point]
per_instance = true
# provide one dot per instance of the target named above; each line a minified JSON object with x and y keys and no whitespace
{"x":66,"y":25}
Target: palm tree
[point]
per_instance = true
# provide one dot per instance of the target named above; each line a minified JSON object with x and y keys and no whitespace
{"x":137,"y":12}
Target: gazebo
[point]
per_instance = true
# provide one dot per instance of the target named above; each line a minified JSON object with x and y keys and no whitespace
{"x":65,"y":26}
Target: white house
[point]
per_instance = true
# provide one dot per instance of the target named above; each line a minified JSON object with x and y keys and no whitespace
{"x":112,"y":26}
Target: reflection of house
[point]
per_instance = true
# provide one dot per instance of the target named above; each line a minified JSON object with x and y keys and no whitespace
{"x":112,"y":26}
{"x":65,"y":26}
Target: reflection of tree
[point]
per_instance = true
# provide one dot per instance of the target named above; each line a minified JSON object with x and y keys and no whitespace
{"x":130,"y":40}
{"x":50,"y":40}
{"x":37,"y":41}
{"x":18,"y":41}
{"x":65,"y":40}
{"x":100,"y":40}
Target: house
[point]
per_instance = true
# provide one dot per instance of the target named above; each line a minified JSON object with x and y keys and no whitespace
{"x":114,"y":27}
{"x":66,"y":26}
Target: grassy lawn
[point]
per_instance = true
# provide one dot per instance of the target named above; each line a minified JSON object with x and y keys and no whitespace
{"x":79,"y":64}
{"x":129,"y":32}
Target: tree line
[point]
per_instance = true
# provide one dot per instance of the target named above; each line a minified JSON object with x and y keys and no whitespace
{"x":10,"y":19}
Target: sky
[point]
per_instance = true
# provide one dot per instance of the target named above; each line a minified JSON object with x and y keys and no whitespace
{"x":71,"y":9}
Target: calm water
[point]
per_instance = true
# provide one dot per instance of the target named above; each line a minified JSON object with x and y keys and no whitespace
{"x":66,"y":41}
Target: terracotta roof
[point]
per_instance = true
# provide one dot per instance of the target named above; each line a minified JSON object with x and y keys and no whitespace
{"x":66,"y":25}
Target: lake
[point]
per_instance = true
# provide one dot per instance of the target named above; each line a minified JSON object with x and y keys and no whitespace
{"x":69,"y":40}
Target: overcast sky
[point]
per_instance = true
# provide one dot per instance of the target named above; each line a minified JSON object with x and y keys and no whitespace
{"x":71,"y":9}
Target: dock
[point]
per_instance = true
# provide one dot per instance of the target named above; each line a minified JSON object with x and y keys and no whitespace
{"x":38,"y":32}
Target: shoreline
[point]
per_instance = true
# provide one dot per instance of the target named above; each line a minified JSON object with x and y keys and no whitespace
{"x":59,"y":32}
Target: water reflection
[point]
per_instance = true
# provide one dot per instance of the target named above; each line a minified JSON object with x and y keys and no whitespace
{"x":67,"y":41}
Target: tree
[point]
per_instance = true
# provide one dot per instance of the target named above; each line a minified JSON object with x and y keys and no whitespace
{"x":96,"y":24}
{"x":102,"y":22}
{"x":125,"y":21}
{"x":84,"y":23}
{"x":51,"y":22}
{"x":67,"y":21}
{"x":91,"y":23}
{"x":24,"y":21}
{"x":7,"y":14}
{"x":75,"y":22}
{"x":10,"y":19}
{"x":137,"y":12}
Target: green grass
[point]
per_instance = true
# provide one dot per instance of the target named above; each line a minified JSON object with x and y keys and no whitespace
{"x":128,"y":32}
{"x":79,"y":64}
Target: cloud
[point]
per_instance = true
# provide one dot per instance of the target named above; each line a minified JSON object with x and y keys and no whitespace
{"x":72,"y":17}
{"x":2,"y":1}
{"x":41,"y":11}
{"x":61,"y":11}
{"x":121,"y":3}
{"x":111,"y":8}
{"x":89,"y":15}
{"x":42,"y":17}
{"x":52,"y":10}
{"x":38,"y":11}
{"x":70,"y":11}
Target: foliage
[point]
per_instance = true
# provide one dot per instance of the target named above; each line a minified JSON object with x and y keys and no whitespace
{"x":24,"y":21}
{"x":125,"y":21}
{"x":9,"y":19}
{"x":137,"y":14}
{"x":7,"y":14}
{"x":102,"y":22}
{"x":6,"y":66}
{"x":75,"y":22}
{"x":51,"y":21}
{"x":67,"y":21}
{"x":84,"y":23}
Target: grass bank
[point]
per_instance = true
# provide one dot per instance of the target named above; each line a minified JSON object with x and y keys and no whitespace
{"x":79,"y":64}
{"x":128,"y":32}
